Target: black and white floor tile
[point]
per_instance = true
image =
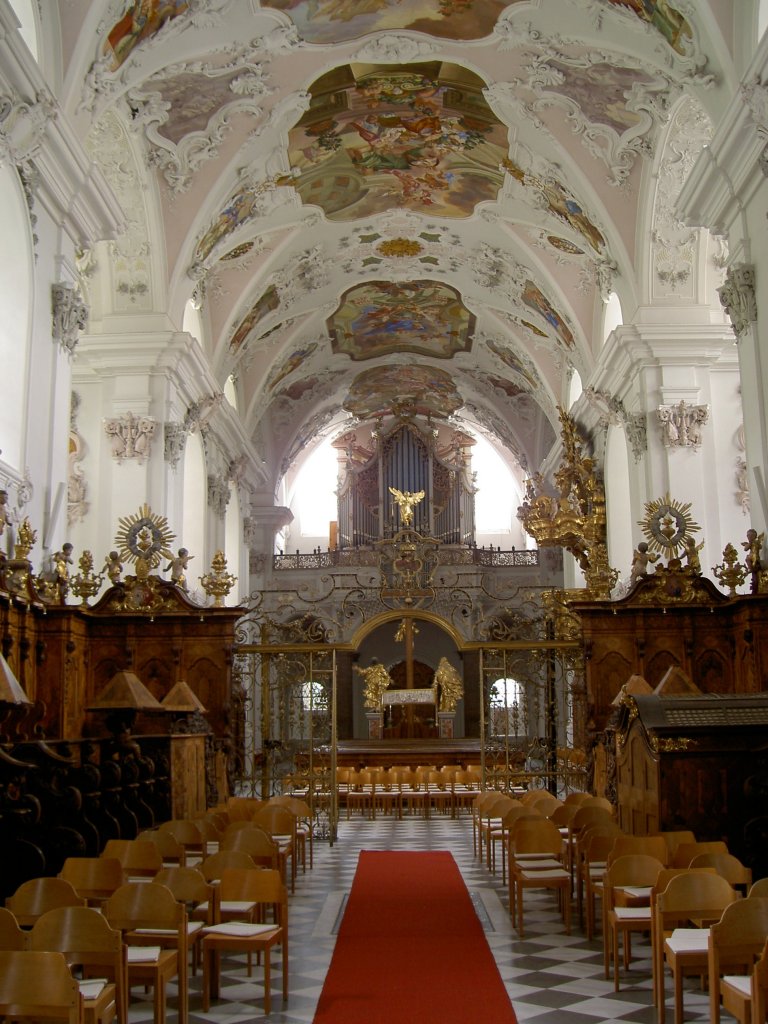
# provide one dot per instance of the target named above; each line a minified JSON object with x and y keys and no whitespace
{"x":551,"y":978}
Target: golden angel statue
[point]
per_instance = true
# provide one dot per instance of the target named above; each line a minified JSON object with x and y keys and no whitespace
{"x":406,"y":502}
{"x":377,"y":680}
{"x":450,"y":684}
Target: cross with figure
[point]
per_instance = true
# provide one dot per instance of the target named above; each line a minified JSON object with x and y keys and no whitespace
{"x":406,"y":502}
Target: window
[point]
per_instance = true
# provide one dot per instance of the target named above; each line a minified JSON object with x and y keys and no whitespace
{"x":507,"y":697}
{"x":314,"y":696}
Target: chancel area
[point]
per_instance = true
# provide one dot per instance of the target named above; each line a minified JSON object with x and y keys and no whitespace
{"x":382,"y":434}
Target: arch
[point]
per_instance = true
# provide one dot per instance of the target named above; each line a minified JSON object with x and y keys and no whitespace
{"x":371,"y":625}
{"x":613,"y":315}
{"x":25,"y":11}
{"x":575,"y":388}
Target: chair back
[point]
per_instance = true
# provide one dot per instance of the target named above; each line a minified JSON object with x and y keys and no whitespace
{"x":735,"y":943}
{"x":141,"y":858}
{"x":759,"y":888}
{"x":213,"y":866}
{"x":87,"y":940}
{"x":38,"y":985}
{"x":651,"y":846}
{"x":536,"y":836}
{"x":243,"y":808}
{"x":260,"y":847}
{"x":188,"y":885}
{"x":256,"y":885}
{"x":11,"y":935}
{"x":727,"y":865}
{"x":563,"y":815}
{"x":693,"y":895}
{"x":675,"y":838}
{"x":632,"y":869}
{"x":589,"y":815}
{"x":94,"y":878}
{"x":33,"y":898}
{"x":279,"y":821}
{"x":576,"y":798}
{"x":185,"y":831}
{"x":544,"y":801}
{"x":760,"y":987}
{"x":138,"y":905}
{"x":171,"y":850}
{"x":685,"y":852}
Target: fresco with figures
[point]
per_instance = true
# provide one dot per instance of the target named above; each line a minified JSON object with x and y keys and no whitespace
{"x":665,"y":18}
{"x":534,"y":298}
{"x":335,"y":21}
{"x":293,"y":362}
{"x":419,"y":137}
{"x":414,"y":389}
{"x":141,"y":20}
{"x":269,"y":301}
{"x":381,"y":317}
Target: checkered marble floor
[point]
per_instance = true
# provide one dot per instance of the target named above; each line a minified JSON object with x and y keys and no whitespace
{"x":551,"y":978}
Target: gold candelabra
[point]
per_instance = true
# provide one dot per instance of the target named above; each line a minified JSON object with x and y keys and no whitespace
{"x":86,"y":583}
{"x":218,"y":582}
{"x":730,"y":572}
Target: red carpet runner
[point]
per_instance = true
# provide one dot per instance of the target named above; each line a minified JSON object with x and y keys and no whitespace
{"x":411,"y":949}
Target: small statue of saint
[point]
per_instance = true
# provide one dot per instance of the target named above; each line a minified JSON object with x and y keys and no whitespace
{"x":377,"y":680}
{"x":640,"y":561}
{"x":178,"y":567}
{"x":451,"y":689}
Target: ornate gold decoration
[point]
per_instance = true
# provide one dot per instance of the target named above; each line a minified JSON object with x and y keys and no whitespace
{"x":145,"y":539}
{"x":400,"y":633}
{"x":668,"y":525}
{"x":406,"y":502}
{"x":25,"y":540}
{"x":377,"y":680}
{"x":672,"y":744}
{"x":239,"y":250}
{"x":218,"y":582}
{"x":400,"y":247}
{"x":86,"y":583}
{"x":730,"y":572}
{"x":575,"y":520}
{"x":451,"y":688}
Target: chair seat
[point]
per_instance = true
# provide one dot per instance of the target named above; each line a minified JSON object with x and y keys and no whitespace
{"x":532,"y":876}
{"x":688,"y":940}
{"x":741,"y":982}
{"x":632,"y":913}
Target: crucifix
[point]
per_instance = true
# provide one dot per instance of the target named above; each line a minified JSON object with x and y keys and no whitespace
{"x":406,"y":631}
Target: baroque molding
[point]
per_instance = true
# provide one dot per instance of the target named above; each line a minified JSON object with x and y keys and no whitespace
{"x":23,"y":124}
{"x":130,"y":436}
{"x":739,"y":298}
{"x":681,"y":424}
{"x":174,"y":442}
{"x":218,"y":493}
{"x":77,"y":485}
{"x":70,"y":316}
{"x":189,"y":93}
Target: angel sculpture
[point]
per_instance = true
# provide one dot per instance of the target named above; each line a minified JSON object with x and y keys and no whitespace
{"x":406,"y":502}
{"x":377,"y":680}
{"x":449,"y":681}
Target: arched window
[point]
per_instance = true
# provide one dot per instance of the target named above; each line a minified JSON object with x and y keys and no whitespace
{"x":314,"y":696}
{"x":506,"y":698}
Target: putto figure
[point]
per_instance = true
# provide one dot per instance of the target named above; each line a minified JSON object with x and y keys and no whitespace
{"x":178,"y":567}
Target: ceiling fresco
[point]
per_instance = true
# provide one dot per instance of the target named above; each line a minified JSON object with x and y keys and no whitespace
{"x":335,"y":21}
{"x":382,"y":317}
{"x":395,"y":206}
{"x":421,"y":136}
{"x":413,"y":390}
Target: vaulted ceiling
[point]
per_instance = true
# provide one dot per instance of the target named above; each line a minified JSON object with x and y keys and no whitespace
{"x":417,"y":206}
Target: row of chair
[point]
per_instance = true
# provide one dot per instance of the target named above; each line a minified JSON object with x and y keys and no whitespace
{"x":179,"y":914}
{"x":396,"y":790}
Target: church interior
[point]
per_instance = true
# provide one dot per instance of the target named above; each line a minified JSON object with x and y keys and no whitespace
{"x":386,"y":436}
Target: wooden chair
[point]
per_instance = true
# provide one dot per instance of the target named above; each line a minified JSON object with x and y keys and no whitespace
{"x":260,"y":847}
{"x":262,"y":889}
{"x":439,"y":793}
{"x":211,"y":832}
{"x":728,"y":866}
{"x":199,"y":897}
{"x":171,"y":850}
{"x":685,"y":852}
{"x":591,"y":862}
{"x":627,"y":885}
{"x":735,"y":943}
{"x":213,"y":866}
{"x":387,"y":796}
{"x":466,"y":786}
{"x":691,"y":894}
{"x":673,"y":839}
{"x":147,"y":914}
{"x":280,"y":823}
{"x":760,"y":988}
{"x":759,"y":888}
{"x":515,"y":812}
{"x":88,"y":942}
{"x":33,"y":898}
{"x":585,"y":817}
{"x":305,"y":824}
{"x":544,"y":802}
{"x":360,"y":793}
{"x":93,"y":878}
{"x":576,"y":798}
{"x":38,"y":986}
{"x":491,"y":812}
{"x":243,"y":808}
{"x":11,"y":935}
{"x":188,"y":835}
{"x":140,"y":858}
{"x":535,"y":862}
{"x":648,"y":846}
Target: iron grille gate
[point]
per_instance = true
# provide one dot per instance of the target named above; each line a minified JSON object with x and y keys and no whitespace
{"x":532,"y":717}
{"x":285,"y":728}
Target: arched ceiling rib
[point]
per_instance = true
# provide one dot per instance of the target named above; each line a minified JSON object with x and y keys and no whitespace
{"x":412,"y":207}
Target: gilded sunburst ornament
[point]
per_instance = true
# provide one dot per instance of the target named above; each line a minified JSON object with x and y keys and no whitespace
{"x":144,"y":538}
{"x":400,"y":247}
{"x":667,"y":523}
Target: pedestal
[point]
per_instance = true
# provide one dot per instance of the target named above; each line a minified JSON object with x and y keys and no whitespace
{"x":445,"y":720}
{"x":375,"y":724}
